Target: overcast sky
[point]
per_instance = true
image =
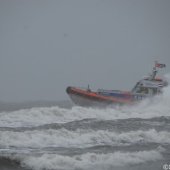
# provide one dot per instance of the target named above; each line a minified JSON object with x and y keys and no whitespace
{"x":47,"y":45}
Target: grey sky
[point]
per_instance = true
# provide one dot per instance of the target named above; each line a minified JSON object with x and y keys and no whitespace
{"x":47,"y":45}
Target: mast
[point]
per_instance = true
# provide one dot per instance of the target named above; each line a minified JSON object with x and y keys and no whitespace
{"x":154,"y":71}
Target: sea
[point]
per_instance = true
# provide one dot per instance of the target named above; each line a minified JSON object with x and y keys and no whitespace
{"x":69,"y":137}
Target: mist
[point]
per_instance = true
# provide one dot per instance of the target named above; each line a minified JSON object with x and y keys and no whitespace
{"x":46,"y":46}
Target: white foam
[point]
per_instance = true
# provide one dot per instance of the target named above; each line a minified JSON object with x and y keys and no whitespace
{"x":80,"y":138}
{"x":88,"y":160}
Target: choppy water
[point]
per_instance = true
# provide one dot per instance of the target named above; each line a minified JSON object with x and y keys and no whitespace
{"x":77,"y":138}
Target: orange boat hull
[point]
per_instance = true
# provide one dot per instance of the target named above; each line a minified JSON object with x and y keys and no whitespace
{"x":89,"y":98}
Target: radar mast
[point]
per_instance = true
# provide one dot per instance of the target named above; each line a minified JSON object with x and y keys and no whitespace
{"x":154,"y":71}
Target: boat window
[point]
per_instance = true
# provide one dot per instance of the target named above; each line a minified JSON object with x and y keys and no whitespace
{"x":145,"y":90}
{"x":142,"y":90}
{"x":153,"y":91}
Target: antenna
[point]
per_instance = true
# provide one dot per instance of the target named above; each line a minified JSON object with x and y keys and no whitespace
{"x":88,"y":88}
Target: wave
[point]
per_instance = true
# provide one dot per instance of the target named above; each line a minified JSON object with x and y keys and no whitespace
{"x":87,"y":160}
{"x":80,"y":138}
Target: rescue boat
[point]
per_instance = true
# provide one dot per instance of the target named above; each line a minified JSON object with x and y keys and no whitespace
{"x":146,"y":87}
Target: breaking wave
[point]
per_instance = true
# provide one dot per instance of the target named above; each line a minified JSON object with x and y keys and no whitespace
{"x":80,"y":138}
{"x":87,"y":160}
